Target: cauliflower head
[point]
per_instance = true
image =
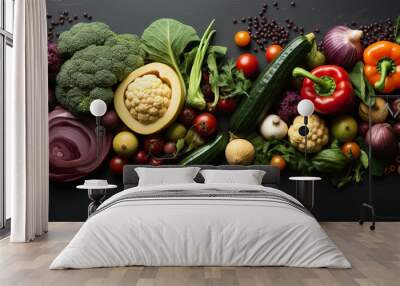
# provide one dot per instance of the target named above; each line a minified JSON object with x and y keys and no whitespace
{"x":317,"y":137}
{"x":147,"y":98}
{"x":82,"y":35}
{"x":92,"y":72}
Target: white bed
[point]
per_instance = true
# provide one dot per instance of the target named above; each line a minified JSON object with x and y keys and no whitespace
{"x":201,"y":224}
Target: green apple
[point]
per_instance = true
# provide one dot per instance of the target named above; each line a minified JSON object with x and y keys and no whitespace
{"x":344,"y":128}
{"x":175,"y":132}
{"x":125,"y":143}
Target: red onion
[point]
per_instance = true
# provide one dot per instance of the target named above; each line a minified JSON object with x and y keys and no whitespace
{"x":72,"y":146}
{"x":383,"y":141}
{"x":342,"y":46}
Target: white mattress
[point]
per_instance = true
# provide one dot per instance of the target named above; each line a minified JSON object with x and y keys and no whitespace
{"x":191,"y":231}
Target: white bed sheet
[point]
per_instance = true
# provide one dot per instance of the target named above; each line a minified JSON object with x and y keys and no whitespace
{"x":200,"y":232}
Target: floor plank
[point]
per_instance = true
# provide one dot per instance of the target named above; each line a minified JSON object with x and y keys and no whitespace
{"x":375,"y":257}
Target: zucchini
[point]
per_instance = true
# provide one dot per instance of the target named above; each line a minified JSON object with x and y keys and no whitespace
{"x":269,"y":84}
{"x":208,"y":153}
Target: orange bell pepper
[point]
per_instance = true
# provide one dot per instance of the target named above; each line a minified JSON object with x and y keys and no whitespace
{"x":382,"y":65}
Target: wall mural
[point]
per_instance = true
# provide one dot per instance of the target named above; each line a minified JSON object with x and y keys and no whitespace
{"x":173,"y":97}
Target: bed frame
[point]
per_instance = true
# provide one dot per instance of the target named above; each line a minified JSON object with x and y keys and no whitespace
{"x":271,"y":177}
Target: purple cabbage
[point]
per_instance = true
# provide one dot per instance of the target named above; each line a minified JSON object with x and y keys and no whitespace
{"x":287,"y":108}
{"x":54,"y":60}
{"x":72,"y":146}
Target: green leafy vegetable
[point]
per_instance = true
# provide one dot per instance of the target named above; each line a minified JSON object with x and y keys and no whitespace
{"x":362,"y":88}
{"x":214,"y":52}
{"x":329,"y":161}
{"x":397,"y":31}
{"x":165,"y":41}
{"x":187,"y":62}
{"x":232,"y":82}
{"x":265,"y":149}
{"x":195,"y":96}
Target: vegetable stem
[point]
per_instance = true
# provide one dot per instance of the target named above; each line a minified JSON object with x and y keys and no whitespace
{"x":385,"y":69}
{"x":324,"y":84}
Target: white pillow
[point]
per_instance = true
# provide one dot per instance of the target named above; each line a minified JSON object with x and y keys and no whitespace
{"x":166,"y":176}
{"x":248,"y":177}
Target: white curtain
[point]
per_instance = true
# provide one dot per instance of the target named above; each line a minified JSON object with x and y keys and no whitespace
{"x":26,"y":124}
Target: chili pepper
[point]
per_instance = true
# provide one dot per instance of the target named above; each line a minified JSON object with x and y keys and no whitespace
{"x":382,"y":65}
{"x":328,"y":87}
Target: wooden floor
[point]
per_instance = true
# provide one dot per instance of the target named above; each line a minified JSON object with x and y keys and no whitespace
{"x":375,"y":257}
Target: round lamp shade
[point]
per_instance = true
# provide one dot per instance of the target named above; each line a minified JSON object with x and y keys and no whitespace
{"x":98,"y":107}
{"x":305,"y":107}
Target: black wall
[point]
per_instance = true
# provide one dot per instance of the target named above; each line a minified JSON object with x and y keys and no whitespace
{"x":69,"y":204}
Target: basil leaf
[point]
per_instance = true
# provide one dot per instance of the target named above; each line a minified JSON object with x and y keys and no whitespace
{"x":364,"y":159}
{"x":362,"y":88}
{"x":165,"y":41}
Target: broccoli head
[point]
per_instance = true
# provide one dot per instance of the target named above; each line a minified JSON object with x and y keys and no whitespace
{"x":82,"y":35}
{"x":92,"y":72}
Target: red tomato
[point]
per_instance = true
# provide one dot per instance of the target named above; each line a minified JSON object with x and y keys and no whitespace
{"x":278,"y":161}
{"x":351,"y":150}
{"x":117,"y":164}
{"x":227,"y":105}
{"x":242,"y":38}
{"x":141,"y":157}
{"x":272,"y":52}
{"x":205,"y":124}
{"x":248,"y":64}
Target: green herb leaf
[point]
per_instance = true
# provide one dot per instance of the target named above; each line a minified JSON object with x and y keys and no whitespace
{"x":362,"y":88}
{"x":364,"y":159}
{"x":232,"y":82}
{"x":397,"y":31}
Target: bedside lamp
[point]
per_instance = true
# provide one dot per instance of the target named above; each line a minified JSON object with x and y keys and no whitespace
{"x":305,"y":108}
{"x":98,"y":108}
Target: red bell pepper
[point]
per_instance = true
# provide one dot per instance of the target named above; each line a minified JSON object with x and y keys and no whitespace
{"x":328,"y":87}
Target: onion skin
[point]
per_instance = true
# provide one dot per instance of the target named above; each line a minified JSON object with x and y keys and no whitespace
{"x":72,"y":146}
{"x":383,"y":141}
{"x":342,"y":46}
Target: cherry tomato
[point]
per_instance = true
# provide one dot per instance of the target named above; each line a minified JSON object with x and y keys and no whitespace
{"x":242,"y":38}
{"x":117,"y":164}
{"x":227,"y":105}
{"x":278,"y":161}
{"x":272,"y":52}
{"x":351,"y":150}
{"x":205,"y":124}
{"x":248,"y":64}
{"x":141,"y":157}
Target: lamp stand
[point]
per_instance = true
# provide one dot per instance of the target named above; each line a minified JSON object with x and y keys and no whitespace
{"x":99,"y":134}
{"x":303,"y":131}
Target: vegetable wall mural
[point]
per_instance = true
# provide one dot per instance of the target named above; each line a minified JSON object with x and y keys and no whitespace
{"x":175,"y":97}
